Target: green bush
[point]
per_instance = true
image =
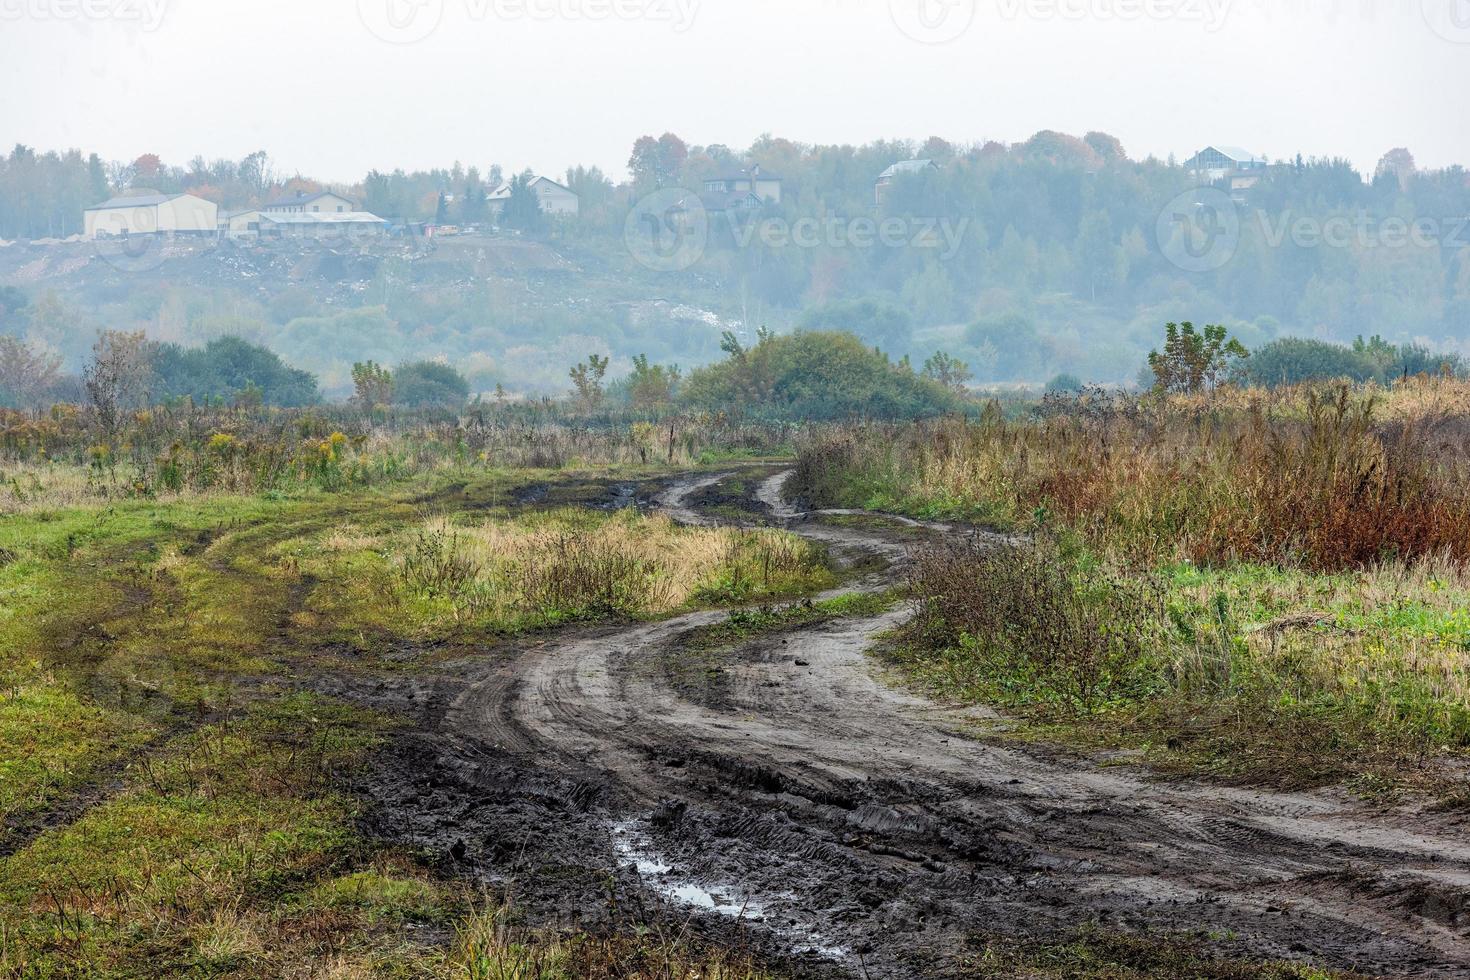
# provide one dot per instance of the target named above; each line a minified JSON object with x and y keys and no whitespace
{"x":1295,"y":360}
{"x":427,"y":384}
{"x":814,"y":375}
{"x":1064,"y":384}
{"x":231,"y":369}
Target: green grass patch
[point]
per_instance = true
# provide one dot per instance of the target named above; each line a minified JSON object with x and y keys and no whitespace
{"x":212,"y":833}
{"x":171,"y":810}
{"x":1247,"y":673}
{"x":744,"y":625}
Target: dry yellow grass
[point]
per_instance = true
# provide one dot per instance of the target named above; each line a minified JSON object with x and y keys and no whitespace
{"x":571,"y":560}
{"x":491,"y":946}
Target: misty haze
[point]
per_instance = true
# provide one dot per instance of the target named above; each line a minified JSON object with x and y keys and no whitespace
{"x":549,"y":489}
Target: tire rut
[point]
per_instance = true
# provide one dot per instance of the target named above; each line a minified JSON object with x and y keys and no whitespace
{"x":849,"y":824}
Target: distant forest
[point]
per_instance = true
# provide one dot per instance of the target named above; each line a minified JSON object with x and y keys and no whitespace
{"x":1059,"y":268}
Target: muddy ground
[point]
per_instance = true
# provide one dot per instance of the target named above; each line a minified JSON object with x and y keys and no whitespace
{"x":780,"y":794}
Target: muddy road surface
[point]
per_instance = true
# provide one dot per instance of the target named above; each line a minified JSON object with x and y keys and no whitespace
{"x":783,"y":793}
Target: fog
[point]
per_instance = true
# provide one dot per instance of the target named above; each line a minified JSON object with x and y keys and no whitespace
{"x":550,"y":83}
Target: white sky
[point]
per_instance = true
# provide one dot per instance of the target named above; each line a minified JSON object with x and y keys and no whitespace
{"x":309,"y":82}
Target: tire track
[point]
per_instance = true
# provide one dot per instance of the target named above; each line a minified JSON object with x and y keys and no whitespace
{"x":856,"y":821}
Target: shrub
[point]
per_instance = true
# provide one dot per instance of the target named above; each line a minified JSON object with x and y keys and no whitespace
{"x":428,"y":384}
{"x":1064,"y":384}
{"x":1296,"y":360}
{"x":815,"y":376}
{"x":228,"y":368}
{"x":1293,"y":360}
{"x":1029,"y":619}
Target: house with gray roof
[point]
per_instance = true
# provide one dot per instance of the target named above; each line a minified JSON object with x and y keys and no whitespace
{"x":904,"y":167}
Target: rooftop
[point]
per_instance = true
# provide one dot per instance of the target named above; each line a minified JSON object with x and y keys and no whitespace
{"x":300,"y":197}
{"x":906,"y":167}
{"x":322,"y":218}
{"x":502,"y":192}
{"x":135,"y":201}
{"x":1236,"y":153}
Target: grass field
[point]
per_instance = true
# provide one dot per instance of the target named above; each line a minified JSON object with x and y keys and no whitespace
{"x":1266,"y":588}
{"x":177,"y":793}
{"x":173,"y":792}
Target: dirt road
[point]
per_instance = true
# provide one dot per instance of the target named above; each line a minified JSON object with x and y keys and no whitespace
{"x":787,"y":791}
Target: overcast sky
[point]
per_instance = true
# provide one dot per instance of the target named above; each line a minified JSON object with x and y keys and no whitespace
{"x":549,"y":83}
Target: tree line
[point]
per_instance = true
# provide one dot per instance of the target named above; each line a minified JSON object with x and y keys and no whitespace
{"x":1059,"y":267}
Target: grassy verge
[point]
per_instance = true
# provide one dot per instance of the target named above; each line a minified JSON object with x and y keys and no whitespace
{"x":1248,"y":674}
{"x":448,"y":576}
{"x":492,"y":945}
{"x":1272,"y":593}
{"x":173,"y":804}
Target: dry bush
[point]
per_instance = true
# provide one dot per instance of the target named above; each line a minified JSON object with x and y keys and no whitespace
{"x":1318,"y":481}
{"x":1026,"y":614}
{"x":435,"y":564}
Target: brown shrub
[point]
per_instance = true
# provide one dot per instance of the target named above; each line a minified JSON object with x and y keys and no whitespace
{"x":1316,"y":481}
{"x":1030,"y":613}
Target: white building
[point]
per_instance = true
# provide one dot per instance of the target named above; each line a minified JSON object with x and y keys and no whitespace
{"x":886,"y":178}
{"x":318,"y":203}
{"x":737,"y":189}
{"x":556,"y":199}
{"x":1218,"y":162}
{"x":238,"y":224}
{"x":313,"y":224}
{"x":149,"y":214}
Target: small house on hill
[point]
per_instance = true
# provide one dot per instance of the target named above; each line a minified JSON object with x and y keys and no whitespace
{"x":555,"y":199}
{"x":737,"y":190}
{"x":886,"y":178}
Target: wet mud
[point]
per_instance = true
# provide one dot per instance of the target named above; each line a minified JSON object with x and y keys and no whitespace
{"x":782,"y":793}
